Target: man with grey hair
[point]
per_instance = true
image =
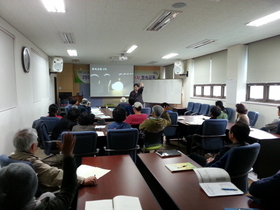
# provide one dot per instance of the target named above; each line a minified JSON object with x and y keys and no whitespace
{"x":158,"y":120}
{"x":25,"y":143}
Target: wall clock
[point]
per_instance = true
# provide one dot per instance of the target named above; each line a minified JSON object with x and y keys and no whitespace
{"x":25,"y":59}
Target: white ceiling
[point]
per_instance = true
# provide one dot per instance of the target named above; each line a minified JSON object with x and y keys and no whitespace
{"x":104,"y":28}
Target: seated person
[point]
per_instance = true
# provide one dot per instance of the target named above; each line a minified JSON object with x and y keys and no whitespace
{"x":73,"y":102}
{"x":66,"y":123}
{"x":242,"y":114}
{"x":214,"y":113}
{"x":157,"y":121}
{"x":272,"y":126}
{"x":85,"y":122}
{"x":85,"y":106}
{"x":238,"y":135}
{"x":166,"y":107}
{"x":223,"y":114}
{"x":265,"y":192}
{"x":119,"y":116}
{"x":53,"y":110}
{"x":129,"y":108}
{"x":25,"y":143}
{"x":136,"y":118}
{"x":123,"y":103}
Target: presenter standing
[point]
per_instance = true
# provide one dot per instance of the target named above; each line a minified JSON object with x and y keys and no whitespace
{"x":136,"y":94}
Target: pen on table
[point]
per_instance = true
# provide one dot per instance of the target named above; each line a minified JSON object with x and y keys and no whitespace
{"x":230,"y":189}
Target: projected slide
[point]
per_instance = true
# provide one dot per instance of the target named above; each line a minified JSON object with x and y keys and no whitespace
{"x":111,"y":80}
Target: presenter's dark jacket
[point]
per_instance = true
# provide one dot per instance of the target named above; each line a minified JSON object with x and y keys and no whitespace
{"x":137,"y":96}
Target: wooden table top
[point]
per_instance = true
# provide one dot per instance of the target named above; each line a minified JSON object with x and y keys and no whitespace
{"x":183,"y":186}
{"x":123,"y":179}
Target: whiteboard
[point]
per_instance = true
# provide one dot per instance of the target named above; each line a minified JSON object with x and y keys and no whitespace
{"x":162,"y":90}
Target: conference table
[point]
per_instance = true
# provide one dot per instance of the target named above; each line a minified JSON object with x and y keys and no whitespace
{"x":123,"y":179}
{"x":268,"y":161}
{"x":181,"y":190}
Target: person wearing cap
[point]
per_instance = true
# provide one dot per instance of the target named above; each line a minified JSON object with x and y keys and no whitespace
{"x":123,"y":103}
{"x":25,"y":143}
{"x":137,"y":93}
{"x":223,"y":114}
{"x":85,"y":105}
{"x":158,"y":120}
{"x":136,"y":118}
{"x":242,"y":114}
{"x":119,"y":116}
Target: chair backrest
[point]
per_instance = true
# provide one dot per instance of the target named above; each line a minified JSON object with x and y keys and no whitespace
{"x":253,"y":117}
{"x":172,"y":129}
{"x":50,"y":122}
{"x":85,"y":145}
{"x":278,"y":129}
{"x":153,"y":140}
{"x":5,"y":160}
{"x":239,"y":163}
{"x":190,"y":106}
{"x":196,"y":108}
{"x":123,"y":141}
{"x":44,"y":141}
{"x":215,"y":129}
{"x":204,"y":109}
{"x":230,"y":112}
{"x":209,"y":111}
{"x":146,"y":110}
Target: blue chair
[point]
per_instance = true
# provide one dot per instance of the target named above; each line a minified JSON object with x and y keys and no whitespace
{"x":239,"y":163}
{"x":190,"y":107}
{"x":230,"y":113}
{"x":213,"y":134}
{"x":44,"y":140}
{"x":50,"y":122}
{"x":146,"y":110}
{"x":122,"y":141}
{"x":172,"y":130}
{"x":204,"y":109}
{"x":85,"y":146}
{"x":195,"y":109}
{"x":253,"y":117}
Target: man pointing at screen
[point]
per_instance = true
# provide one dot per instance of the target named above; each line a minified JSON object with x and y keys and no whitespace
{"x":136,"y":94}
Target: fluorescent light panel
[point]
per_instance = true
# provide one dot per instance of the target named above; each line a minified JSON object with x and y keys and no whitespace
{"x":54,"y":5}
{"x":266,"y":19}
{"x":162,"y":20}
{"x":169,"y":55}
{"x":72,"y":52}
{"x":131,"y":49}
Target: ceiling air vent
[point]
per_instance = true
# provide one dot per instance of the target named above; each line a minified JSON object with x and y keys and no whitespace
{"x":162,"y":20}
{"x":67,"y":38}
{"x":201,"y":43}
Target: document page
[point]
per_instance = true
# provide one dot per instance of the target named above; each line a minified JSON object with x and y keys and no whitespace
{"x":122,"y":202}
{"x":212,"y":175}
{"x":220,"y":189}
{"x":87,"y":171}
{"x":99,"y":204}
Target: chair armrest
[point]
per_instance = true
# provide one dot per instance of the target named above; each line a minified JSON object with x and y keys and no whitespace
{"x":187,"y":112}
{"x":121,"y":150}
{"x":208,"y":136}
{"x":241,"y":175}
{"x":194,"y":113}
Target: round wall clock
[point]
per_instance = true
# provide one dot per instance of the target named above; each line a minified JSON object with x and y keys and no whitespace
{"x":25,"y":59}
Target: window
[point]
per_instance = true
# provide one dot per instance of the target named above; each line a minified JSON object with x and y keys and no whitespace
{"x":210,"y":90}
{"x":263,"y":92}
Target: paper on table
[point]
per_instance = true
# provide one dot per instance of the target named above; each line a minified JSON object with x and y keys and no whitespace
{"x":100,"y":126}
{"x":86,"y":171}
{"x":100,"y":133}
{"x":214,"y":189}
{"x":104,"y":117}
{"x":181,"y":118}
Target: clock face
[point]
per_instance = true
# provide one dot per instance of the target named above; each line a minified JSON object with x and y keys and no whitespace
{"x":26,"y":59}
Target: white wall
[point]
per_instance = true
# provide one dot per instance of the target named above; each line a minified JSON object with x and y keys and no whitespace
{"x":26,"y":110}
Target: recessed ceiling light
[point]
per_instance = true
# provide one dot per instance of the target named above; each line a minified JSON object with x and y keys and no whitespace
{"x":72,"y":52}
{"x":169,"y":55}
{"x":54,"y":5}
{"x":131,"y":49}
{"x":266,"y":19}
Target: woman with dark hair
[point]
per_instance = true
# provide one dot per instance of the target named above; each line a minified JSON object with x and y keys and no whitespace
{"x":119,"y":116}
{"x":242,"y":114}
{"x":85,"y":122}
{"x":223,"y":114}
{"x":53,"y":110}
